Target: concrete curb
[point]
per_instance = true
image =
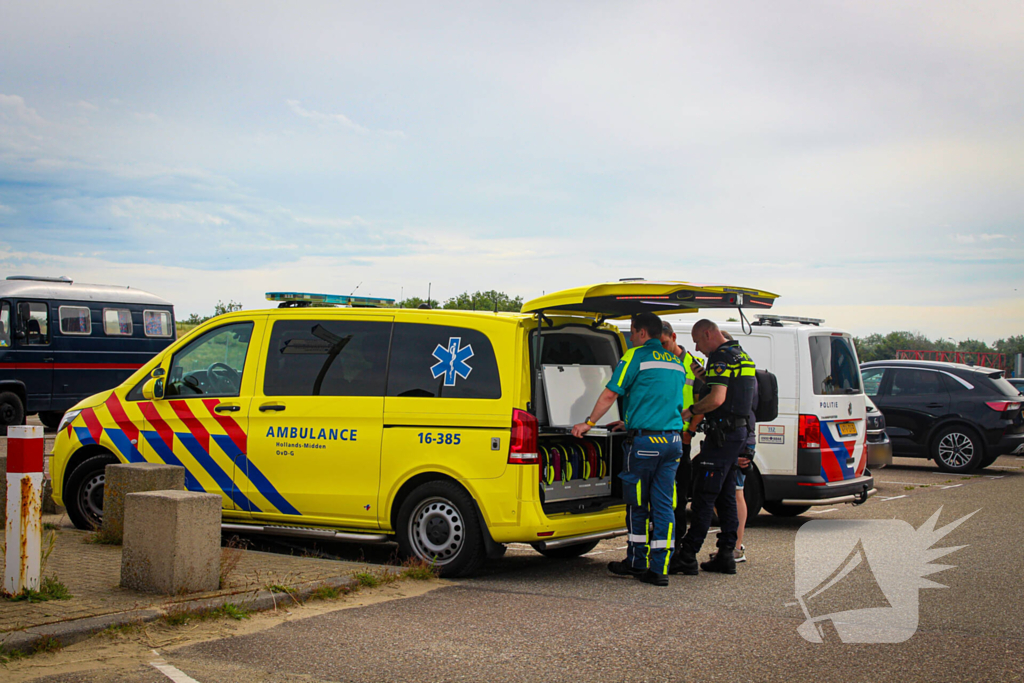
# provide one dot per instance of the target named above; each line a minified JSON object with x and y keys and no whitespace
{"x":76,"y":630}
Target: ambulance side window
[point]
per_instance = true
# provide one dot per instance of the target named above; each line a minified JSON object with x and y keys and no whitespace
{"x":212,"y":365}
{"x":327,"y":358}
{"x":437,"y":361}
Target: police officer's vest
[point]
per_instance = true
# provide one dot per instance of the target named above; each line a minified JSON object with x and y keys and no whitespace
{"x":742,"y":384}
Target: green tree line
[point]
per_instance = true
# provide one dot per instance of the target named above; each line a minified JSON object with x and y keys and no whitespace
{"x":885,"y":346}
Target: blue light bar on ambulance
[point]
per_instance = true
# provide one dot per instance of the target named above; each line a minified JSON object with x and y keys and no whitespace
{"x":309,"y":299}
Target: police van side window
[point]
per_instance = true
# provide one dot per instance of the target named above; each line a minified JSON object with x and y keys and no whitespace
{"x":834,"y":367}
{"x":327,"y":358}
{"x":212,"y":365}
{"x":35,"y":321}
{"x":437,"y":361}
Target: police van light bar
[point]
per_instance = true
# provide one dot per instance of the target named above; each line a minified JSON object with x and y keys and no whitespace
{"x":771,"y":319}
{"x":310,"y":299}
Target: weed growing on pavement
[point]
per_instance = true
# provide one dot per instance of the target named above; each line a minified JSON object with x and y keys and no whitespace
{"x":908,"y":488}
{"x":376,"y":578}
{"x":230,"y":556}
{"x":8,"y":656}
{"x":367,"y":580}
{"x":50,"y":588}
{"x":278,"y":588}
{"x":179,"y":615}
{"x":50,"y":526}
{"x":329,"y":592}
{"x":419,"y":570}
{"x":47,"y":644}
{"x":102,"y":536}
{"x":125,"y":629}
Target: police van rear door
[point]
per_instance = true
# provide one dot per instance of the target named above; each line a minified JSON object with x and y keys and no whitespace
{"x":836,"y":400}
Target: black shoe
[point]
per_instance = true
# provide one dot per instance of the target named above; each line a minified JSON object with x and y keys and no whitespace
{"x":624,"y":569}
{"x":653,"y":578}
{"x":722,"y":562}
{"x":683,"y":562}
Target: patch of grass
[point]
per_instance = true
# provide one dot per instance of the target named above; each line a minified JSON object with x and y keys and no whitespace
{"x":50,"y":588}
{"x":50,"y":526}
{"x":908,"y":488}
{"x":328,"y":593}
{"x":126,"y":629}
{"x":47,"y":645}
{"x":367,"y":580}
{"x":419,"y":570}
{"x":8,"y":656}
{"x":278,"y":588}
{"x":179,"y":615}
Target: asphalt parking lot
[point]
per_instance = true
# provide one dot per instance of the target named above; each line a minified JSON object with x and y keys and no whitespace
{"x":529,"y":618}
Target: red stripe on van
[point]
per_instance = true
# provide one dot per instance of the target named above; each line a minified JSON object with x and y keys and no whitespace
{"x":830,"y":463}
{"x":130,"y":429}
{"x":193,"y":425}
{"x":73,"y":366}
{"x":236,"y":433}
{"x":92,"y":423}
{"x":163,"y":429}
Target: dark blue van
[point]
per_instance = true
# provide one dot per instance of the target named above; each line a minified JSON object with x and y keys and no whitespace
{"x":61,"y":342}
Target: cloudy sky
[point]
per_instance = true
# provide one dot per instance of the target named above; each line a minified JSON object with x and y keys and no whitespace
{"x":863,"y":160}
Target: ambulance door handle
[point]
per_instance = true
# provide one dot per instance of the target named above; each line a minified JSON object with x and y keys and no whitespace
{"x":226,"y":408}
{"x":271,"y":406}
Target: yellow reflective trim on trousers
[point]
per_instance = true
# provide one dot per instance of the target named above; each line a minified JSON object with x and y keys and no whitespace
{"x":628,"y":357}
{"x":668,"y":550}
{"x":639,"y":499}
{"x":674,"y":499}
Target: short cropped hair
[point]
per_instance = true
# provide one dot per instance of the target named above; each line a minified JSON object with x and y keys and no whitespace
{"x":666,"y":329}
{"x":649,"y":323}
{"x":703,"y":325}
{"x":727,"y":335}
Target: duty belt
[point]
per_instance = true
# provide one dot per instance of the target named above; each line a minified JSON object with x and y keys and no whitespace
{"x":651,"y":432}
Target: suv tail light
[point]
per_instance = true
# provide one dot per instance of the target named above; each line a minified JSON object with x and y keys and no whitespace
{"x":809,"y":435}
{"x":1003,"y":406}
{"x":522,"y":449}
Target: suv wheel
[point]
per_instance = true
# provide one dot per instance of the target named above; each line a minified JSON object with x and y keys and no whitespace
{"x":437,"y":523}
{"x":84,"y":492}
{"x":958,"y":449}
{"x":12,"y":412}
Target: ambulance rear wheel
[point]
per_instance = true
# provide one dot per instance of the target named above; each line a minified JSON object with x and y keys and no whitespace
{"x":566,"y":552}
{"x":84,"y":492}
{"x":437,"y":523}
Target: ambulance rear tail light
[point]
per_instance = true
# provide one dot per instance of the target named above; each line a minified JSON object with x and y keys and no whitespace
{"x":523,"y":446}
{"x":809,"y":434}
{"x":1003,"y":406}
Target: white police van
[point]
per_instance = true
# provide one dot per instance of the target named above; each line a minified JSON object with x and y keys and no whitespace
{"x":814,"y":452}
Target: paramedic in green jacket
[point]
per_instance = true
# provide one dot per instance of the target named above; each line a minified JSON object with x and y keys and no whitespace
{"x":651,"y":381}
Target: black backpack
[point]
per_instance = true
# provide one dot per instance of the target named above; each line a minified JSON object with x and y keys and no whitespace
{"x":767,"y":396}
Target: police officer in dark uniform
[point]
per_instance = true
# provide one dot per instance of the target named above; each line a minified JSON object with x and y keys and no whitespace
{"x":730,"y":387}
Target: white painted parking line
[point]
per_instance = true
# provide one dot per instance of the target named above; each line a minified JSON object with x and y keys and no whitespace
{"x":893,"y":498}
{"x":951,"y":486}
{"x":176,"y":675}
{"x":821,"y":512}
{"x":909,"y":483}
{"x":999,"y":477}
{"x":599,"y":552}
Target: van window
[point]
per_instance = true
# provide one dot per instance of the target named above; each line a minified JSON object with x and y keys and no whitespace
{"x":872,"y":378}
{"x":582,"y":347}
{"x":156,"y":323}
{"x":833,"y":365}
{"x":35,"y":322}
{"x":327,"y":358}
{"x":117,"y":322}
{"x":75,"y":320}
{"x":211,"y":365}
{"x":5,"y":324}
{"x":906,"y":382}
{"x":443,"y":362}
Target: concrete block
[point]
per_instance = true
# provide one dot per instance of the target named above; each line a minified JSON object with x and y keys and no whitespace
{"x":134,"y":477}
{"x":171,"y":542}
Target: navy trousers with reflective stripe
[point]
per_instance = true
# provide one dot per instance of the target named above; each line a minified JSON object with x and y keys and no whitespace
{"x":714,"y":487}
{"x":648,"y":486}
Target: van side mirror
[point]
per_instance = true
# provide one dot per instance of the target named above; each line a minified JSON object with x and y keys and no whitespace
{"x":157,"y":372}
{"x":153,"y":388}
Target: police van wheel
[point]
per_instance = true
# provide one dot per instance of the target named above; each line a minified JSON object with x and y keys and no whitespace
{"x":84,"y":493}
{"x":437,"y":523}
{"x":12,"y":412}
{"x":566,"y":552}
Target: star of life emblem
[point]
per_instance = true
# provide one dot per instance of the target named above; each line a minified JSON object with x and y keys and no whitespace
{"x":451,"y":361}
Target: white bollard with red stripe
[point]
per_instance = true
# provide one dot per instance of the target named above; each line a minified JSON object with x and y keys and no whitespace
{"x":24,"y":508}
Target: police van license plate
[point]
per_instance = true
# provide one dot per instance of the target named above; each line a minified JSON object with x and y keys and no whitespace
{"x":847,"y":428}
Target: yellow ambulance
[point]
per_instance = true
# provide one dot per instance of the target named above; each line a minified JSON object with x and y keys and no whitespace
{"x":445,"y":431}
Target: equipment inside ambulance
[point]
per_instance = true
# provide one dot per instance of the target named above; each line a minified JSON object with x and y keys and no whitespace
{"x":446,"y":431}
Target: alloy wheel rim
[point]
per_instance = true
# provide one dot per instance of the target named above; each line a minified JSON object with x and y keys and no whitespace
{"x":437,"y":531}
{"x":956,"y":449}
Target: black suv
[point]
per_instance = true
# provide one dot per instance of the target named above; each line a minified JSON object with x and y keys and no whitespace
{"x":963,"y":417}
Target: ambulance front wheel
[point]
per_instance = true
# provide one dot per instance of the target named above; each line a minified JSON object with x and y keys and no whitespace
{"x":83,"y":495}
{"x":437,"y":523}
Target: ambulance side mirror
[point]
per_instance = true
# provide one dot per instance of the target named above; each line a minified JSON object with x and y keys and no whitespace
{"x":153,"y":388}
